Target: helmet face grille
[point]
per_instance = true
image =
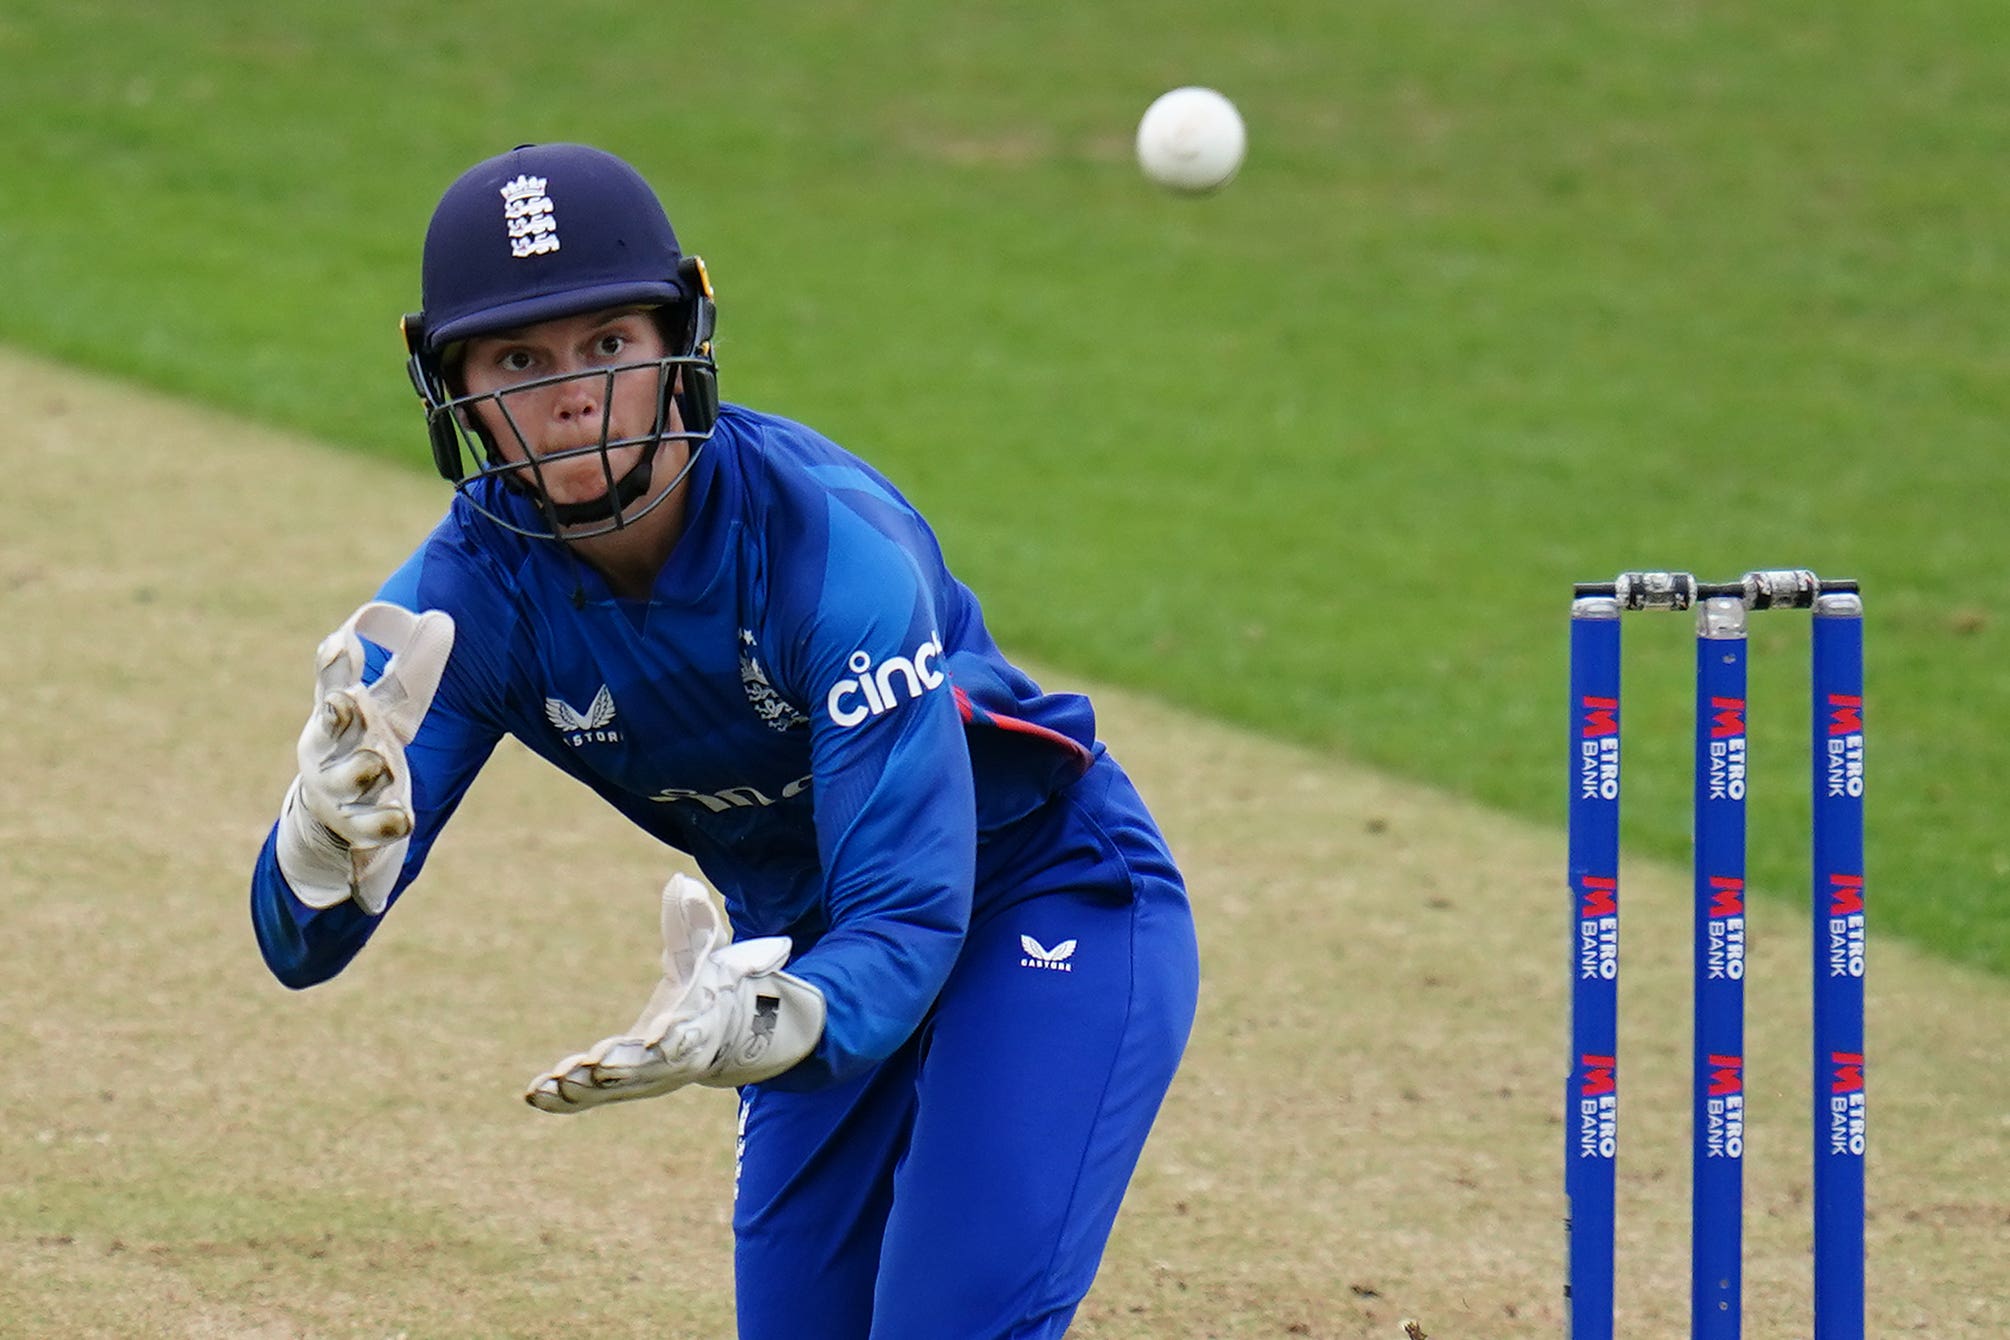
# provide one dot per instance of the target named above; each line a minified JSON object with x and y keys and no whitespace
{"x":630,"y":494}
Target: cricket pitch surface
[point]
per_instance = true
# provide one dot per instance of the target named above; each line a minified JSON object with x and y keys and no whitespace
{"x":1367,"y":1127}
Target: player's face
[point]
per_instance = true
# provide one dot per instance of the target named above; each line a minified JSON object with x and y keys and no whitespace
{"x":532,"y":416}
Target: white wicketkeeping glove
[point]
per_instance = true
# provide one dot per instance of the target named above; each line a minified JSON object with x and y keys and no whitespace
{"x":347,"y":818}
{"x":724,"y":1015}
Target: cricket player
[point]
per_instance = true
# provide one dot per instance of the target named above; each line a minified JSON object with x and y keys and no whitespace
{"x":956,"y":964}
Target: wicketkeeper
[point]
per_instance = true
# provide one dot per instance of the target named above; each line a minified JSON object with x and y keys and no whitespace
{"x":950,"y":966}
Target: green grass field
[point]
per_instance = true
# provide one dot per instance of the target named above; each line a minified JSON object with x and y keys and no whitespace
{"x":1505,"y":297}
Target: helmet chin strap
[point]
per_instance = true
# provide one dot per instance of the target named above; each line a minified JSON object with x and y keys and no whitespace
{"x":608,"y":506}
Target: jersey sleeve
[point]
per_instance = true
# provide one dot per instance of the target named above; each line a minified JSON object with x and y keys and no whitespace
{"x":304,"y":945}
{"x":895,"y":811}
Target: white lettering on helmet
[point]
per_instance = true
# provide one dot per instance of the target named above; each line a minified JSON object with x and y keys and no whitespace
{"x":877,"y":690}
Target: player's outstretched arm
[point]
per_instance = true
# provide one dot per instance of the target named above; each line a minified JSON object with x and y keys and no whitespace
{"x":347,"y":819}
{"x":723,"y":1015}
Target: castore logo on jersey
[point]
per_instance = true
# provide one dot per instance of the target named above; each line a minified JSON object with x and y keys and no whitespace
{"x":1039,"y":956}
{"x":593,"y":726}
{"x":851,"y":701}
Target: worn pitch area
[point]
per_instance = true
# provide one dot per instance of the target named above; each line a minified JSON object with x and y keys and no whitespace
{"x":1367,"y":1127}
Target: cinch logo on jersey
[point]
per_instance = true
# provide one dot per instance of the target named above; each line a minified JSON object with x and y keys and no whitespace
{"x":1845,"y":925}
{"x":1597,"y":928}
{"x":1724,"y":1108}
{"x":1845,"y":762}
{"x":593,"y":726}
{"x":732,"y":797}
{"x":1598,"y":750}
{"x":1846,"y":1116}
{"x":1598,"y":1107}
{"x":1725,"y":954}
{"x":883,"y":688}
{"x":1727,"y":749}
{"x":1039,"y":956}
{"x":533,"y":230}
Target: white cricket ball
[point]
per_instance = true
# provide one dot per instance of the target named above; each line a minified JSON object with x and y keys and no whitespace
{"x":1191,"y":139}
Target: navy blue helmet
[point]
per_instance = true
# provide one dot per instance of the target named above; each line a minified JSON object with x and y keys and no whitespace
{"x":542,"y":232}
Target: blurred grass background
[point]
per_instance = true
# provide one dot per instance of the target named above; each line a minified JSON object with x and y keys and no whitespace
{"x":1505,"y":297}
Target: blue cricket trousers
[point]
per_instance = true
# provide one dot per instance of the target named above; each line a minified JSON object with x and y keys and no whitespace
{"x":963,"y":1189}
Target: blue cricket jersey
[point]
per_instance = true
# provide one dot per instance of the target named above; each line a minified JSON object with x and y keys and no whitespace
{"x":808,"y":703}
